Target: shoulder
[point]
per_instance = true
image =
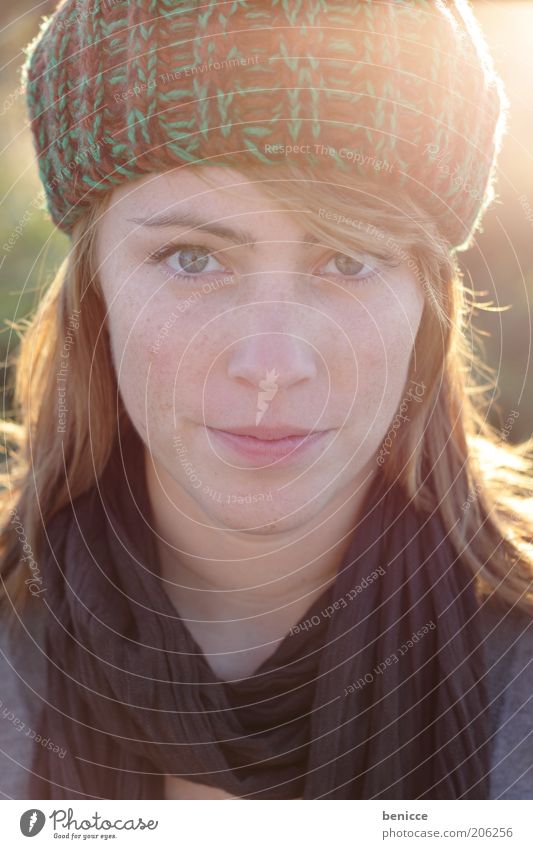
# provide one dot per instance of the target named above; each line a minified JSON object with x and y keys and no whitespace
{"x":507,"y":632}
{"x":22,"y":673}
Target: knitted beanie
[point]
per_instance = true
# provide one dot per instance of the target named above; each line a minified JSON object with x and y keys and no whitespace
{"x":403,"y":91}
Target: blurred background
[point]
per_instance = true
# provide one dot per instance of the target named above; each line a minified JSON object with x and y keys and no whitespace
{"x":499,"y":266}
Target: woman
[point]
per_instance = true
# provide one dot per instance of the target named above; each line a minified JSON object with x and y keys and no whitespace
{"x":277,"y":548}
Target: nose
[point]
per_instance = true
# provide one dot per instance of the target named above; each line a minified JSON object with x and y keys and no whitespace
{"x":277,"y":358}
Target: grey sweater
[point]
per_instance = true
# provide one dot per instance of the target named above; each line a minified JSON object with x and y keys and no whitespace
{"x":508,"y":645}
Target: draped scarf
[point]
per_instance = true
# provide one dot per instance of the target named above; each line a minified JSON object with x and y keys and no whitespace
{"x":384,"y":695}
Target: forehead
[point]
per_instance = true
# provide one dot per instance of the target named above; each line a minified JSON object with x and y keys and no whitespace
{"x":285,"y":203}
{"x":210,"y":192}
{"x":188,"y":182}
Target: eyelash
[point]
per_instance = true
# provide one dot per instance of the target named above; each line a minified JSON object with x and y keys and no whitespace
{"x":159,"y":256}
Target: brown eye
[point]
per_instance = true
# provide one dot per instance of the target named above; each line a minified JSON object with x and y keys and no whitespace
{"x":348,"y":265}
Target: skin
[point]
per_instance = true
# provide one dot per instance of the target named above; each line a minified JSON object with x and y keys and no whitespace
{"x":240,"y":574}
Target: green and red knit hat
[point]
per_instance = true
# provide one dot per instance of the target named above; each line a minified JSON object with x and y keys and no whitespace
{"x":401,"y":90}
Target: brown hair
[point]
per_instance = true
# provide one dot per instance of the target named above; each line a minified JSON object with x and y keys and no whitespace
{"x":448,"y":458}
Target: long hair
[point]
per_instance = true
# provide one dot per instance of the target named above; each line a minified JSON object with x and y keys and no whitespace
{"x":447,"y":457}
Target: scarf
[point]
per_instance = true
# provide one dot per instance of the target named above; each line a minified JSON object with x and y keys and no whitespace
{"x":379,"y":692}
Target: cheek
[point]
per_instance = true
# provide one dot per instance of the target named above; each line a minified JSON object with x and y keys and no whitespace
{"x":382,"y":339}
{"x":162,"y":350}
{"x":167,"y":361}
{"x":145,"y":354}
{"x":379,"y":341}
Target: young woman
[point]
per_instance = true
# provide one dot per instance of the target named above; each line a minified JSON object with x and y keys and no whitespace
{"x":259,"y":538}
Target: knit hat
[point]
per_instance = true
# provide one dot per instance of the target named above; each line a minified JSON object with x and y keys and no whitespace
{"x":403,"y":91}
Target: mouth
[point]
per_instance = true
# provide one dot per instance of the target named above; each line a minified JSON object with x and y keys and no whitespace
{"x":269,"y":445}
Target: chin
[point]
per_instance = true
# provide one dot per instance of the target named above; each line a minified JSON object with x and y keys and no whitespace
{"x":260,"y":520}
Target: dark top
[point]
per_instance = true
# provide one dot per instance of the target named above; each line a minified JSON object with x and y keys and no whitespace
{"x":508,"y":650}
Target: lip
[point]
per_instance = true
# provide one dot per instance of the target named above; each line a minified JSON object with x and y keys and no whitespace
{"x":267,"y":447}
{"x":268,"y":433}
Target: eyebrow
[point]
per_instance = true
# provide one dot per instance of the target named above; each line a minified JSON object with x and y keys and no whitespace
{"x":239,"y":237}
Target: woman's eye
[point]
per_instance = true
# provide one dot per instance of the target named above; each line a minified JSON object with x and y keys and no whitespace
{"x":196,"y":260}
{"x":190,"y":260}
{"x":348,"y":266}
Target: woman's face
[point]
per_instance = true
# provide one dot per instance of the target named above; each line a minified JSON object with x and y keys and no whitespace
{"x":227,"y":317}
